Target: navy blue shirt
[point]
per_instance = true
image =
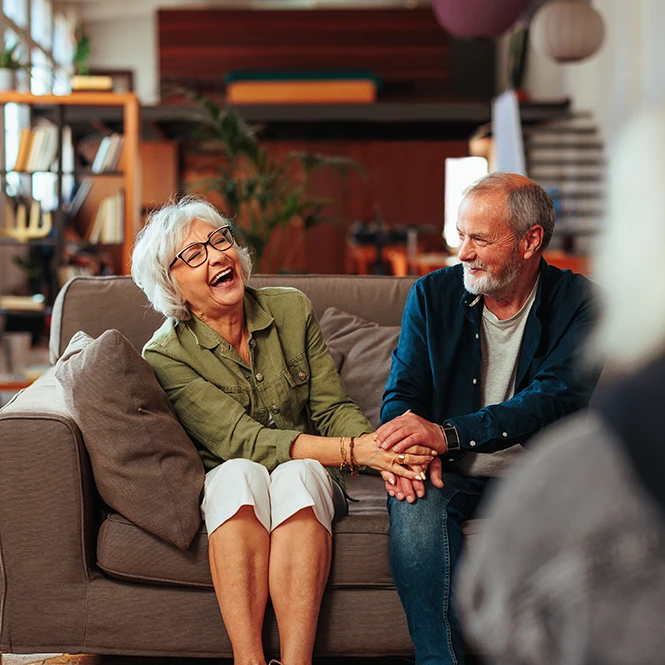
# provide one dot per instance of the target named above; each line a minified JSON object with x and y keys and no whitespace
{"x":436,"y":366}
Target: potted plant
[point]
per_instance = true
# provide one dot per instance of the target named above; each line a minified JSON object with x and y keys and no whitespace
{"x":10,"y":62}
{"x":82,"y":52}
{"x":261,"y":193}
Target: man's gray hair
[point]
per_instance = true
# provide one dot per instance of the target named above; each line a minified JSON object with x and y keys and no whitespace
{"x":527,"y":202}
{"x":161,"y":239}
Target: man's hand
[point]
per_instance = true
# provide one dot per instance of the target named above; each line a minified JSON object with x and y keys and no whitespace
{"x":410,"y":430}
{"x":403,"y":488}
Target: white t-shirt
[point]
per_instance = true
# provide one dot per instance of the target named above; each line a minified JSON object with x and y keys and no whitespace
{"x":500,"y":344}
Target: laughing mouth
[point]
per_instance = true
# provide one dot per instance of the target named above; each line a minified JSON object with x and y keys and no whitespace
{"x":222,"y":277}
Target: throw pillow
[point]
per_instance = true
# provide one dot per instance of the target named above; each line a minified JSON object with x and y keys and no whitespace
{"x":145,"y":466}
{"x":361,"y":350}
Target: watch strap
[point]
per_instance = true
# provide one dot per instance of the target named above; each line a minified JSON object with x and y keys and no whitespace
{"x":451,"y":436}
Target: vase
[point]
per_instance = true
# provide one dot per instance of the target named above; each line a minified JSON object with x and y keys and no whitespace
{"x":6,"y":79}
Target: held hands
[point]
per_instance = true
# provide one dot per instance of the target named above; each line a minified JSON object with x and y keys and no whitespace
{"x":411,"y":430}
{"x":407,"y":430}
{"x":409,"y":464}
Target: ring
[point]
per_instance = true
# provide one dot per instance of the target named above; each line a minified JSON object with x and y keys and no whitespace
{"x":401,"y":457}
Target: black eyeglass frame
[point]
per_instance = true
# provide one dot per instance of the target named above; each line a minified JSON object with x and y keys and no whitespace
{"x":205,"y":244}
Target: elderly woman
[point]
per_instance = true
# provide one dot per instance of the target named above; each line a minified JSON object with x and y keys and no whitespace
{"x":252,"y":382}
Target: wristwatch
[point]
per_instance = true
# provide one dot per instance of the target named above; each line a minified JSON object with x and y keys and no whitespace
{"x":451,"y":437}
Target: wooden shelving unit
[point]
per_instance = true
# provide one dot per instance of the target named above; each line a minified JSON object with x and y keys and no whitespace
{"x":58,"y":107}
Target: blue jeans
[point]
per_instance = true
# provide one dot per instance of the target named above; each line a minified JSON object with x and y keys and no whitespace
{"x":425,"y":545}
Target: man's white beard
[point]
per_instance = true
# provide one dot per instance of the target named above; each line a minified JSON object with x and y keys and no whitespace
{"x":486,"y":284}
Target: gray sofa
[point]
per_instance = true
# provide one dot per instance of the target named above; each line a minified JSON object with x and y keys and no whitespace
{"x":76,"y":578}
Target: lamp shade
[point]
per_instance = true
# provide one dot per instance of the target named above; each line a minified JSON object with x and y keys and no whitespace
{"x":470,"y":19}
{"x":567,"y":31}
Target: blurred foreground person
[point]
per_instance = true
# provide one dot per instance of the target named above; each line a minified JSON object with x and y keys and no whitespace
{"x":570,"y":566}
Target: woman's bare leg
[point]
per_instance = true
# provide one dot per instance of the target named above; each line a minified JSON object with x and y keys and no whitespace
{"x":300,"y":555}
{"x":239,"y":556}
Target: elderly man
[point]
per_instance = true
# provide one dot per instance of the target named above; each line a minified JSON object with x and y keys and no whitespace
{"x":572,"y":566}
{"x":488,"y":356}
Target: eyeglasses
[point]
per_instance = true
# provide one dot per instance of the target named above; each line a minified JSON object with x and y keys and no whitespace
{"x":196,"y":254}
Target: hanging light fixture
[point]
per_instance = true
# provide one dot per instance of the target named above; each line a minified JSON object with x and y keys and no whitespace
{"x":567,"y":30}
{"x":472,"y":19}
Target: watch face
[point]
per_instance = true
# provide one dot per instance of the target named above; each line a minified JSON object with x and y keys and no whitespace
{"x":452,"y":440}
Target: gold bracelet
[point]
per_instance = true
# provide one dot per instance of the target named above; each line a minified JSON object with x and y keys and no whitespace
{"x":354,"y":464}
{"x":342,"y":453}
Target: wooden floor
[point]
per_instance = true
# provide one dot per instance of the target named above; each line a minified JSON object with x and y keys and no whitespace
{"x":6,"y":659}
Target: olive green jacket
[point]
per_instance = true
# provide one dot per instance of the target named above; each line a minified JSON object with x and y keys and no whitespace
{"x":225,"y":405}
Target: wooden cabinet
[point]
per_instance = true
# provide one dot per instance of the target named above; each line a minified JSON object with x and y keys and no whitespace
{"x":125,"y":179}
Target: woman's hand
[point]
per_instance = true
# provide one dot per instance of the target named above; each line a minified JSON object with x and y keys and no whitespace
{"x":410,"y":464}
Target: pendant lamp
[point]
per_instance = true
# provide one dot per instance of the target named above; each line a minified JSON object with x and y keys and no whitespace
{"x":472,"y":19}
{"x":567,"y":31}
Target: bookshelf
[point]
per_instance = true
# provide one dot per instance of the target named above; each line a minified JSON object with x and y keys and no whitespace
{"x":125,"y":177}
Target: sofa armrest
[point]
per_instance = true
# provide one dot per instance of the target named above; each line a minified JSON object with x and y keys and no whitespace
{"x":48,"y":514}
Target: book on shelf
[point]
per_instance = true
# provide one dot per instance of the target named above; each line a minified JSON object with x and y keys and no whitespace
{"x":43,"y":148}
{"x":24,"y":145}
{"x":113,"y":154}
{"x":107,"y":225}
{"x":82,"y":190}
{"x":108,"y":153}
{"x":98,"y":83}
{"x":347,"y":87}
{"x":301,"y":92}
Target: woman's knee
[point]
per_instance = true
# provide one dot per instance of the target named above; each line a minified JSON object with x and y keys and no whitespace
{"x":306,"y":473}
{"x":231,"y":485}
{"x":302,"y":486}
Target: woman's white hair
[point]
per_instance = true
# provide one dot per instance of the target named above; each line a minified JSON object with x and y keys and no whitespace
{"x":161,"y":239}
{"x":631,"y":269}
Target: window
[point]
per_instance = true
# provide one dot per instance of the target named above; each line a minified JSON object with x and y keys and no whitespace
{"x":16,"y":10}
{"x":41,"y":22}
{"x":460,"y":173}
{"x":46,"y":40}
{"x":63,"y":40}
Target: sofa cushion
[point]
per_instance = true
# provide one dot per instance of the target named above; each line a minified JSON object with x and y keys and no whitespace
{"x":361,"y":350}
{"x":144,"y":464}
{"x":360,"y":550}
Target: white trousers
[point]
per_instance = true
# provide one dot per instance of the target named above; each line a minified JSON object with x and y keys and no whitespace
{"x":292,"y":486}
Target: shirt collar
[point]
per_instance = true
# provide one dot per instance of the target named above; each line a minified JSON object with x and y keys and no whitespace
{"x":255,"y":316}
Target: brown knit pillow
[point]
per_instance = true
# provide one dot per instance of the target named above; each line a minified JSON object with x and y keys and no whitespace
{"x":144,"y":464}
{"x":361,"y":350}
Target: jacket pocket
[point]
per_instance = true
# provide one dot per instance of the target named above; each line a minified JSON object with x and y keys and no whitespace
{"x":296,"y":386}
{"x":297,"y":372}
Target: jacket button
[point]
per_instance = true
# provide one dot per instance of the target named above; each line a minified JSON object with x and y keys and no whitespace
{"x":472,"y":443}
{"x":252,"y":343}
{"x":259,"y":377}
{"x":302,"y":376}
{"x":475,"y":381}
{"x":274,"y":408}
